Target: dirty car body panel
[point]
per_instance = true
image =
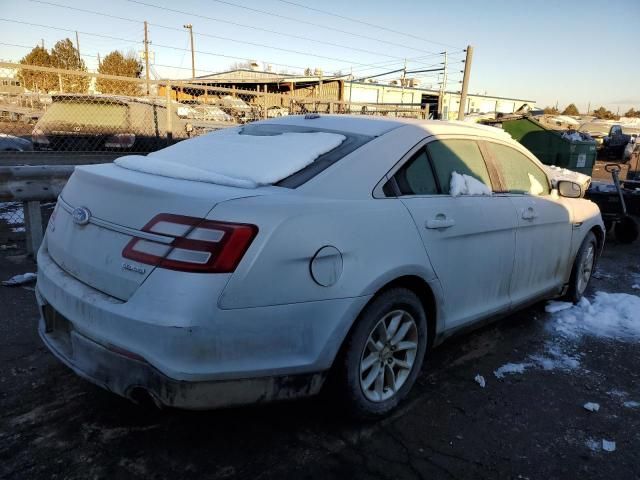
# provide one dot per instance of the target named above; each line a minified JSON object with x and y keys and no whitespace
{"x":326,"y":241}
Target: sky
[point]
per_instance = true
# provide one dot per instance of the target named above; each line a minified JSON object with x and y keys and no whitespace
{"x":567,"y":51}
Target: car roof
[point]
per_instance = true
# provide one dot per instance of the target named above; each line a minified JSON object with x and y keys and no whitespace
{"x":377,"y":126}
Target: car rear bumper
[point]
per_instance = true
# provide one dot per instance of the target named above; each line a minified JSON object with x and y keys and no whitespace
{"x":185,"y":357}
{"x":122,"y":373}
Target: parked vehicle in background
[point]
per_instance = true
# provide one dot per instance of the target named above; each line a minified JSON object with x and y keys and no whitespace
{"x":273,"y":112}
{"x":597,"y":131}
{"x":106,"y":123}
{"x":250,"y":264}
{"x":238,"y":109}
{"x":615,"y":142}
{"x":211,"y":112}
{"x":11,"y":143}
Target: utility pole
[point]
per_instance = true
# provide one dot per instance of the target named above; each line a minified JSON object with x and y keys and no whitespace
{"x":99,"y":60}
{"x":78,"y":48}
{"x":465,"y":83}
{"x":403,"y":81}
{"x":42,"y":42}
{"x":443,"y":86}
{"x":189,"y":27}
{"x":146,"y":55}
{"x":588,"y":107}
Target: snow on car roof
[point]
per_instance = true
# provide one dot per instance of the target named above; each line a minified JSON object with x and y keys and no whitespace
{"x":226,"y":157}
{"x":376,"y":125}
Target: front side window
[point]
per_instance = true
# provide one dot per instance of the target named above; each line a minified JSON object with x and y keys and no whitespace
{"x":460,"y":156}
{"x":519,"y":173}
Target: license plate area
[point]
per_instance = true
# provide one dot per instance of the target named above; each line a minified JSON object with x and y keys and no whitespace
{"x":58,"y":328}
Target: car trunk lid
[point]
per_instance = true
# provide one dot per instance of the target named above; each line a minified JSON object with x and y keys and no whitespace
{"x":119,"y":203}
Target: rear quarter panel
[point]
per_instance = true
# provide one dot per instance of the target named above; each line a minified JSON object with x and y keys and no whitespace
{"x":377,"y":240}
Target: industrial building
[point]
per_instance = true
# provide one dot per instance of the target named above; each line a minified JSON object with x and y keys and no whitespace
{"x":357,"y":94}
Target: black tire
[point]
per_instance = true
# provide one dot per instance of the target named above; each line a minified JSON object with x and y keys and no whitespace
{"x":575,"y":292}
{"x":347,"y":385}
{"x":626,"y":230}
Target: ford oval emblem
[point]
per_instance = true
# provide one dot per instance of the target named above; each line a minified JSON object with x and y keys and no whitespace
{"x":81,"y":215}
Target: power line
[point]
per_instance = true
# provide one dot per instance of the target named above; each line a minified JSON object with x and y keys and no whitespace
{"x":288,"y":50}
{"x":366,"y":23}
{"x":138,"y":41}
{"x":260,"y":29}
{"x":298,"y":52}
{"x":277,"y":15}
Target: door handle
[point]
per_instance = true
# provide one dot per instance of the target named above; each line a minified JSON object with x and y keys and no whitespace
{"x":440,"y":221}
{"x":529,"y":213}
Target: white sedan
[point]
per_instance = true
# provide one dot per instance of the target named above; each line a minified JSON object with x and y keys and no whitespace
{"x":257,"y":262}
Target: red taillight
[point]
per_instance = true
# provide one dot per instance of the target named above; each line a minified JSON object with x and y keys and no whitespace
{"x":193,"y":244}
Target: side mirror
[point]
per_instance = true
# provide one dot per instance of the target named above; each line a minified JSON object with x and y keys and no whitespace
{"x":569,"y":189}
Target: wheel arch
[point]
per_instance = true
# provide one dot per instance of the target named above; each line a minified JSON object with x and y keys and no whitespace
{"x":425,"y":294}
{"x":600,"y":235}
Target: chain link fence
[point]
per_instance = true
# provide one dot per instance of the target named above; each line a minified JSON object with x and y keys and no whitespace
{"x":94,"y":113}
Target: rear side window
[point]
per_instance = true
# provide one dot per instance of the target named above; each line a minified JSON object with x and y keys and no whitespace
{"x":461,"y":156}
{"x":519,"y":173}
{"x":416,"y":176}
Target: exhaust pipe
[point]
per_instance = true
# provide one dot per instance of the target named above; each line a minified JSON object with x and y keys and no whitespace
{"x":143,"y":397}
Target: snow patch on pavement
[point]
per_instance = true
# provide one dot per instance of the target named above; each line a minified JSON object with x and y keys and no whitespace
{"x":511,"y":368}
{"x":591,"y":406}
{"x":20,"y":279}
{"x":608,"y":315}
{"x":631,"y":404}
{"x":554,"y":306}
{"x":479,"y":379}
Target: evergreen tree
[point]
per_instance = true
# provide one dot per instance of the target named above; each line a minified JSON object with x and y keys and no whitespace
{"x":632,"y":113}
{"x":34,"y":80}
{"x":115,"y":63}
{"x":605,"y":114}
{"x":571,"y":110}
{"x":65,"y":56}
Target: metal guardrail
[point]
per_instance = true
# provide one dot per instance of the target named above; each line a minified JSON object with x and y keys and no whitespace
{"x":32,"y":185}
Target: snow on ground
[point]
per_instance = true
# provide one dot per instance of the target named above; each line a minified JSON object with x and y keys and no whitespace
{"x":597,"y":445}
{"x":225,"y":157}
{"x":510,"y":368}
{"x":461,"y":184}
{"x":592,"y":406}
{"x":479,"y":379}
{"x":553,"y":358}
{"x":608,"y":315}
{"x":12,"y":214}
{"x":20,"y":279}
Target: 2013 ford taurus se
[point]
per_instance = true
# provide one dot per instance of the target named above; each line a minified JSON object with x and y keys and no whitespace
{"x":254,"y":263}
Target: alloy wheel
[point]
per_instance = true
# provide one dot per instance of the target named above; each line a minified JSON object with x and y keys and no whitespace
{"x":388,"y":355}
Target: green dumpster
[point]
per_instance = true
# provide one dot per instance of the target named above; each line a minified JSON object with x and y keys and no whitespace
{"x":551,"y":147}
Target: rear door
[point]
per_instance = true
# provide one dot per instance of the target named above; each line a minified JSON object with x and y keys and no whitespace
{"x":470,"y":239}
{"x":543,"y":237}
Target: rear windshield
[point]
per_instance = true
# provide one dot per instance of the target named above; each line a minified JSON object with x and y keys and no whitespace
{"x":89,"y":114}
{"x":351,"y":143}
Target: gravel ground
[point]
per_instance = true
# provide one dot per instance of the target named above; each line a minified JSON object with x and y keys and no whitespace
{"x":530,"y":425}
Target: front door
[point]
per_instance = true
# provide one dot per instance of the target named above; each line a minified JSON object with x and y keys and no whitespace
{"x":543,"y":237}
